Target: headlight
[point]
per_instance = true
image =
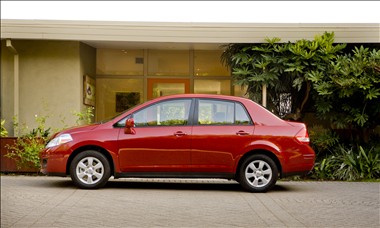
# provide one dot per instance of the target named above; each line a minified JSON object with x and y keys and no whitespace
{"x":64,"y":138}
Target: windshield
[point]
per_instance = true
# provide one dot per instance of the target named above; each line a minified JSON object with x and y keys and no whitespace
{"x":116,"y":116}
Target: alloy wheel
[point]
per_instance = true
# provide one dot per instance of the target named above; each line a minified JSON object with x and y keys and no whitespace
{"x":258,"y":173}
{"x":89,"y":170}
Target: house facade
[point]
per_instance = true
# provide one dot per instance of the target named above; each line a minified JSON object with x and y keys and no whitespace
{"x":56,"y":68}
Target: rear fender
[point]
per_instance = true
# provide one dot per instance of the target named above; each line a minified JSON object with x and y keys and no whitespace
{"x":261,"y":147}
{"x":264,"y":145}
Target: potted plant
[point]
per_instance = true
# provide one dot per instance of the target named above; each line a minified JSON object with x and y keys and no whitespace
{"x":21,"y":154}
{"x":7,"y":164}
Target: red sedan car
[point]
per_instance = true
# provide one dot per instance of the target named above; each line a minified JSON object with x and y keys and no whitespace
{"x":186,"y":136}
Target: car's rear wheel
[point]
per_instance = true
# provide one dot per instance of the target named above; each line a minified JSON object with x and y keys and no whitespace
{"x":90,"y":169}
{"x":258,"y":173}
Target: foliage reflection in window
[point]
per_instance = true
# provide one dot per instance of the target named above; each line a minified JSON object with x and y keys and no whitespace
{"x":215,"y":112}
{"x":169,"y":113}
{"x":241,"y":116}
{"x":212,"y":112}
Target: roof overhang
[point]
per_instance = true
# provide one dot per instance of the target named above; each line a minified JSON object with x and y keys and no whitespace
{"x":182,"y":35}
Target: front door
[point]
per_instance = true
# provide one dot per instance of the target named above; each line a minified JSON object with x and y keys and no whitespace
{"x":162,"y":139}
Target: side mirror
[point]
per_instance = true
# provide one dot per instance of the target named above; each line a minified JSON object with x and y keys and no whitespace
{"x":129,"y":126}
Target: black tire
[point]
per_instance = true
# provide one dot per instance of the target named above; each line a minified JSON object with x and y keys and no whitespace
{"x":90,"y":170}
{"x":258,"y":173}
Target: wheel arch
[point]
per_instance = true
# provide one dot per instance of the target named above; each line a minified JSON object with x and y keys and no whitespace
{"x":263,"y":152}
{"x":90,"y":147}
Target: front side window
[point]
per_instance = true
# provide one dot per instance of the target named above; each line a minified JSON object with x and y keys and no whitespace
{"x":168,"y":113}
{"x":214,"y":112}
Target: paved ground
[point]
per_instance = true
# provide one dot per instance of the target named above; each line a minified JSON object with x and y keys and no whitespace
{"x":36,"y":201}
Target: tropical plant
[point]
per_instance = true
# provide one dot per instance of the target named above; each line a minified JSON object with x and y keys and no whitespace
{"x":322,"y":140}
{"x":348,"y":92}
{"x":283,"y":68}
{"x":358,"y":164}
{"x":349,"y":164}
{"x":324,"y":169}
{"x":344,"y":84}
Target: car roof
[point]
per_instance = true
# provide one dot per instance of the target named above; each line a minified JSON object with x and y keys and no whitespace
{"x":194,"y":95}
{"x":262,"y":115}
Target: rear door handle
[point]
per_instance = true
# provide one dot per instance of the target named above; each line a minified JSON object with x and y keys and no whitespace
{"x":180,"y":133}
{"x":242,"y":133}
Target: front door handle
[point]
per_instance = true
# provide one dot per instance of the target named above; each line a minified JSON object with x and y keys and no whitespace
{"x":180,"y":133}
{"x":242,"y":133}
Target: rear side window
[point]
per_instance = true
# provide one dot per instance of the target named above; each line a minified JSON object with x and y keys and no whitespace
{"x":241,"y":115}
{"x":218,"y":112}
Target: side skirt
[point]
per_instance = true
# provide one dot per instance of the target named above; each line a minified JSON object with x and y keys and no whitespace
{"x":174,"y":175}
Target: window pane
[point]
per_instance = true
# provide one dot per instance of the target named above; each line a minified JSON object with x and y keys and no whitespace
{"x":170,"y":113}
{"x":240,"y":91}
{"x":212,"y":86}
{"x":168,"y":63}
{"x":116,"y":95}
{"x":164,"y":89}
{"x":158,"y":87}
{"x":241,"y":115}
{"x":207,"y":63}
{"x":212,"y":112}
{"x":119,"y":62}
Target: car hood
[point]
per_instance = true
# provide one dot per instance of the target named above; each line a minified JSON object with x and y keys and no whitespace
{"x":79,"y":129}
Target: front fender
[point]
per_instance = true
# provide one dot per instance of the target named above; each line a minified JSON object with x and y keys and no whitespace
{"x":108,"y":150}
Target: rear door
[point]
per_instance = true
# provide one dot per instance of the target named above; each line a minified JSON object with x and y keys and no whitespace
{"x":222,"y":130}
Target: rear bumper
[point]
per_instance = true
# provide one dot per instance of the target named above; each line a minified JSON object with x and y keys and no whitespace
{"x":299,"y":163}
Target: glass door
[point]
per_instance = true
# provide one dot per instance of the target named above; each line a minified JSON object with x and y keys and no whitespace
{"x":164,"y":87}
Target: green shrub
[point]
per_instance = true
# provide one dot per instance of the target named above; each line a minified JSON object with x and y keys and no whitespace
{"x":3,"y":132}
{"x":322,"y":140}
{"x":85,"y":116}
{"x":26,"y":149}
{"x":355,"y":163}
{"x":324,"y":169}
{"x":26,"y":152}
{"x":359,"y":163}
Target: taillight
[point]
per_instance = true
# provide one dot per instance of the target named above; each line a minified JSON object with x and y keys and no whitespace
{"x":302,"y":136}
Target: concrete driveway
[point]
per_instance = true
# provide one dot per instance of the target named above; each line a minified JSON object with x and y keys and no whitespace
{"x":37,"y":201}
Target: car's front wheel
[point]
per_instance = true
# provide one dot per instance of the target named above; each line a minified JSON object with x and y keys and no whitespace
{"x":90,"y":169}
{"x":258,"y":173}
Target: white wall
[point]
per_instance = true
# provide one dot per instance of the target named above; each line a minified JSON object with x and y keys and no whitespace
{"x":51,"y":76}
{"x":6,"y":101}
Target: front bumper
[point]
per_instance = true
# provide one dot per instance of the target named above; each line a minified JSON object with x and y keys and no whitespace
{"x":54,"y":160}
